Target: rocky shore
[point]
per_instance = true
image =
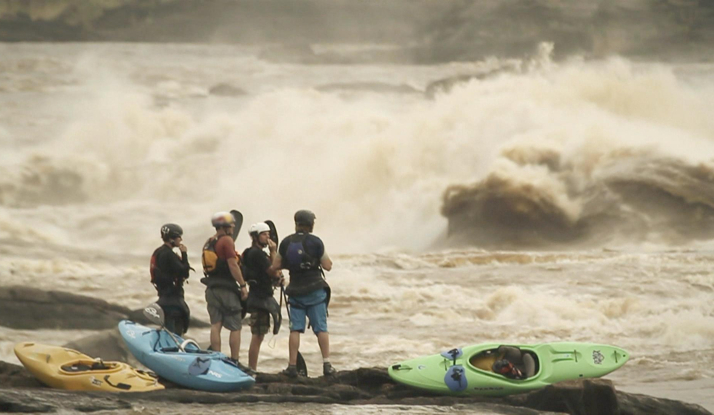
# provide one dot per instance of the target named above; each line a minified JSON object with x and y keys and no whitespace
{"x":21,"y":392}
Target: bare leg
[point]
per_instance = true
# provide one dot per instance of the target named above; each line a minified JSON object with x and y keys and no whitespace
{"x":255,"y":341}
{"x":234,"y":342}
{"x":294,"y":346}
{"x":216,"y":336}
{"x":323,"y":340}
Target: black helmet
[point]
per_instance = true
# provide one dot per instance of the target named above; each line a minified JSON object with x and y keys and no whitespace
{"x":304,"y":217}
{"x":171,"y":231}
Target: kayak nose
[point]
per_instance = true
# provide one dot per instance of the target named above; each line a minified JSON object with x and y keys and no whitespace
{"x":621,"y":356}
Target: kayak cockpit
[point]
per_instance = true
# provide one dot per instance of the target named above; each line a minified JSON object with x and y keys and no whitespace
{"x":525,"y":362}
{"x":88,"y":366}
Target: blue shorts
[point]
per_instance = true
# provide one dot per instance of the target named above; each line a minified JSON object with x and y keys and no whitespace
{"x":311,"y":305}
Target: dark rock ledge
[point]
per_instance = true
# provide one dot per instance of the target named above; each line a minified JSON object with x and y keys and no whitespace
{"x":28,"y":308}
{"x":20,"y":392}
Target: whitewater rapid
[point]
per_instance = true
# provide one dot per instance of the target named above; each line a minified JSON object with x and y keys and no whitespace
{"x":103,"y":143}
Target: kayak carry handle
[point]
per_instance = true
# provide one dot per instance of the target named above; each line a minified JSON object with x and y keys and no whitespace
{"x":186,"y":342}
{"x":122,"y":386}
{"x":452,"y":355}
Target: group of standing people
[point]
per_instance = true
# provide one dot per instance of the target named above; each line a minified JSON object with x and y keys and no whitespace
{"x":227,"y":275}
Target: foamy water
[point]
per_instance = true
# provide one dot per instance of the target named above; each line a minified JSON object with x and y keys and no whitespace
{"x":103,"y":143}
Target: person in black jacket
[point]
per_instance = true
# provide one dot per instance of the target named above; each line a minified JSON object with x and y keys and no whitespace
{"x":168,"y":273}
{"x":263,"y":277}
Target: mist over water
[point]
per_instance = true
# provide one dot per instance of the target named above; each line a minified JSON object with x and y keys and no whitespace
{"x":536,"y":152}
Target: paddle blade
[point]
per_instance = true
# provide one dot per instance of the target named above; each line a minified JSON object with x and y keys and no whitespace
{"x":277,"y":322}
{"x":243,"y":308}
{"x":273,"y":231}
{"x":301,"y":366}
{"x":199,"y":367}
{"x":239,"y":222}
{"x":155,"y":314}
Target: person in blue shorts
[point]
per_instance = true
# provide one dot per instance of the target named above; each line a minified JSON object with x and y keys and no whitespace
{"x":303,"y":255}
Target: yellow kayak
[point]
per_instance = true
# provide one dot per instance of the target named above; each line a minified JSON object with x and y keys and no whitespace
{"x":63,"y":368}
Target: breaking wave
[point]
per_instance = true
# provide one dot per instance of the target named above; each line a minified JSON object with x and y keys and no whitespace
{"x":595,"y":155}
{"x":602,"y":152}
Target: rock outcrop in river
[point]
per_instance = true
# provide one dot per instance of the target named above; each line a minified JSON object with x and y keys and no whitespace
{"x":21,"y":392}
{"x":28,"y":308}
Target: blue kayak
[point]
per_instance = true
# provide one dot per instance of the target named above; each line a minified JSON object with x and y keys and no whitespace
{"x":182,"y":361}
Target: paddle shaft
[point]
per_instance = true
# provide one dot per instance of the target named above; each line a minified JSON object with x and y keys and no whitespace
{"x":155,"y":313}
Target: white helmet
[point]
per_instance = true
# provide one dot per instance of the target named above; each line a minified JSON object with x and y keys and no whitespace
{"x":258,"y":228}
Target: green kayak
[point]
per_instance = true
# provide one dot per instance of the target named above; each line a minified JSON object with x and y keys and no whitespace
{"x":480,"y":369}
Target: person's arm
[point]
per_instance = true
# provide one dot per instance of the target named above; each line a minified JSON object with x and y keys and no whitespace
{"x":228,"y":250}
{"x":238,"y":276}
{"x":180,"y":266}
{"x":326,"y":262}
{"x":277,"y":258}
{"x":273,"y":265}
{"x":235,"y":270}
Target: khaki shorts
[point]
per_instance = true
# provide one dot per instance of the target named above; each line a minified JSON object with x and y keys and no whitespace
{"x":259,"y":323}
{"x":224,"y":307}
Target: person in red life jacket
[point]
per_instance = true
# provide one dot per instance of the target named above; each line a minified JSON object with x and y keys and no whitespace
{"x":225,"y":287}
{"x":168,"y":273}
{"x":263,"y":277}
{"x":303,"y":255}
{"x":507,"y":369}
{"x":514,"y":363}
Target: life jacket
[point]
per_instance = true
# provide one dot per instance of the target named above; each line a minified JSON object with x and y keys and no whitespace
{"x":213,"y":266}
{"x":169,"y":287}
{"x":216,"y":271}
{"x":507,"y":369}
{"x":259,"y":281}
{"x":297,"y":259}
{"x":164,"y":284}
{"x":306,"y":273}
